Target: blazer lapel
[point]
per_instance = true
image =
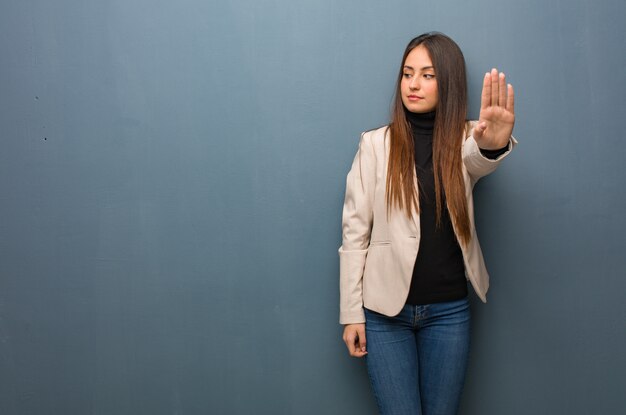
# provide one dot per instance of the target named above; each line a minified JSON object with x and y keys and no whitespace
{"x":415,"y":215}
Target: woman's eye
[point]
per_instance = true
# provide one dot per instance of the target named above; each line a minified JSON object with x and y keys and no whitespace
{"x":406,"y":75}
{"x":429,"y":76}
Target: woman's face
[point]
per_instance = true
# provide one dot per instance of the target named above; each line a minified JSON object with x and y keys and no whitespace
{"x":419,"y":86}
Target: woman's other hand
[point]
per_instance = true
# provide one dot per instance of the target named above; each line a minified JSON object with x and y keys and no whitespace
{"x":354,"y":338}
{"x":497,"y":112}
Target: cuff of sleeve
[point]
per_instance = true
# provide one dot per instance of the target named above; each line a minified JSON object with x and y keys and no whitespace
{"x":353,"y":317}
{"x":496,"y":155}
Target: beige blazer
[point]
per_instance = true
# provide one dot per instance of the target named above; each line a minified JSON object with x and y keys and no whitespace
{"x":378,"y":252}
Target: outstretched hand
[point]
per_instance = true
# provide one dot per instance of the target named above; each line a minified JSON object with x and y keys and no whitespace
{"x":497,"y":112}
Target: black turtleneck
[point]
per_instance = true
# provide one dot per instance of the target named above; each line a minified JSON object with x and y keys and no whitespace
{"x":439,"y":272}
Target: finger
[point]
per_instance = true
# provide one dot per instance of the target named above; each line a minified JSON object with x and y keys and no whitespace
{"x":502,"y":90}
{"x":355,"y":350}
{"x":510,"y":100}
{"x":362,"y":340}
{"x":494,"y":86}
{"x":485,"y":98}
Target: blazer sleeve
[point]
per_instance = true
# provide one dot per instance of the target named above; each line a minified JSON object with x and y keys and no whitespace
{"x":356,"y":228}
{"x":475,"y":162}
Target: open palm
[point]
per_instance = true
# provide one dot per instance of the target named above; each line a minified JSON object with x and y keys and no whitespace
{"x":497,"y":112}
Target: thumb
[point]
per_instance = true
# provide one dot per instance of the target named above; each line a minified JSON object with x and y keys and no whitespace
{"x":479,"y":130}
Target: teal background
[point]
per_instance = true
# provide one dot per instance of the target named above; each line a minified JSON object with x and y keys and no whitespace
{"x":171,"y":183}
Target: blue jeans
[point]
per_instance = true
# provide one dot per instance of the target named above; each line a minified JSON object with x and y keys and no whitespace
{"x":417,"y":360}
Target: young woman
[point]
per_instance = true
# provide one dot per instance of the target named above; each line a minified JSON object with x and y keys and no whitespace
{"x":409,"y":244}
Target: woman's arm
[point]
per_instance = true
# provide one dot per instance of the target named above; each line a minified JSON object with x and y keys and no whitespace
{"x":356,"y":228}
{"x":358,"y":213}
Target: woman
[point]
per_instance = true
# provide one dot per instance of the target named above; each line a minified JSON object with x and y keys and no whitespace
{"x":409,"y":244}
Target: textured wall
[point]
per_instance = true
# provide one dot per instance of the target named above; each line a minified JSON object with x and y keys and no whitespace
{"x":171,"y":182}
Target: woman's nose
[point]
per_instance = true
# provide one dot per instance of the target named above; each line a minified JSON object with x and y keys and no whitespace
{"x":414,"y":84}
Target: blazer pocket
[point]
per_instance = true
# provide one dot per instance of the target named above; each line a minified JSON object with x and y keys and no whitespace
{"x":380,"y":243}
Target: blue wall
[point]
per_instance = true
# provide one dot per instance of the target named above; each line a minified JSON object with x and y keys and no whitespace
{"x":171,"y":183}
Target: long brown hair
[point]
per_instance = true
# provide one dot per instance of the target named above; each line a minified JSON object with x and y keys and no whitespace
{"x":449,"y":128}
